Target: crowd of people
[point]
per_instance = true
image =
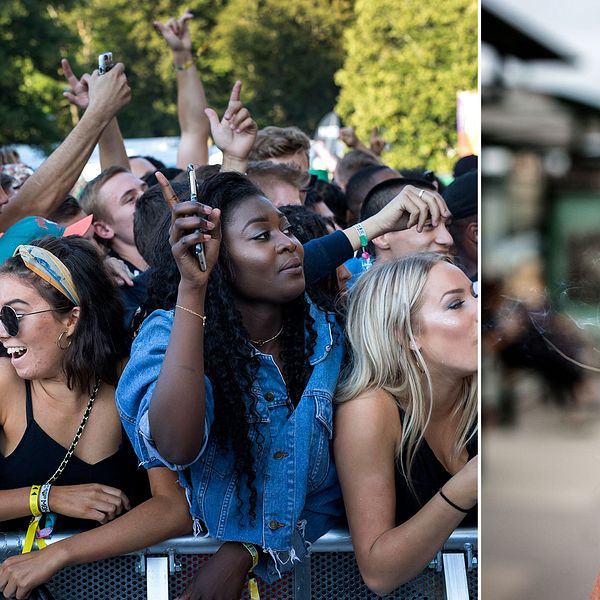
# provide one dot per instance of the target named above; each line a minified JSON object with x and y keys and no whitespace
{"x":318,"y":365}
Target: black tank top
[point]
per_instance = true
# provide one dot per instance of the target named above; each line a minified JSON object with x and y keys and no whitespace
{"x":428,"y":475}
{"x":37,"y":456}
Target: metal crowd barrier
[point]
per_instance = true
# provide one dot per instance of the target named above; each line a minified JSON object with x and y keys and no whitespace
{"x":163,"y":571}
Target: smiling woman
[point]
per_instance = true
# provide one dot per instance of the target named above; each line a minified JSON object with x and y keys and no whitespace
{"x":406,"y":426}
{"x":64,"y":461}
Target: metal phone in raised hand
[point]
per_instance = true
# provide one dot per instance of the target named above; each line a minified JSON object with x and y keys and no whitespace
{"x":194,"y":198}
{"x":105,"y":62}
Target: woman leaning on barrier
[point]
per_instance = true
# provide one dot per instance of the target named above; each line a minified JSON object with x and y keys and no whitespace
{"x":405,"y":436}
{"x":65,"y":463}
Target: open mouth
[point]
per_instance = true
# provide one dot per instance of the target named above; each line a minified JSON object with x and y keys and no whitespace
{"x":16,"y":351}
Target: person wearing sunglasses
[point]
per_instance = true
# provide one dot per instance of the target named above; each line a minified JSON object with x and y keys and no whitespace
{"x":65,"y":462}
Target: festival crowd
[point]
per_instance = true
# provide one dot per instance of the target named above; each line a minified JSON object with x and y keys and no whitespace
{"x":258,"y":356}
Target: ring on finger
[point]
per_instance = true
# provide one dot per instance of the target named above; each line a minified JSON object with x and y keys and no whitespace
{"x":421,"y":194}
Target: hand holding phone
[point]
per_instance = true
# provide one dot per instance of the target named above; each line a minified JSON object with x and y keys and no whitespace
{"x":194,"y":198}
{"x":105,"y":62}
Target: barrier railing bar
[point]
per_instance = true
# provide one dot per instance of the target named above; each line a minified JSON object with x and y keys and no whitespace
{"x":336,"y":540}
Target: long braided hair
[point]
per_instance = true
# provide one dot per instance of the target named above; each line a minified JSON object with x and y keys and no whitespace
{"x":229,"y":361}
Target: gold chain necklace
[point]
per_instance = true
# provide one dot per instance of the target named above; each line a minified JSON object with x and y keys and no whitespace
{"x":261,"y":343}
{"x":78,"y":434}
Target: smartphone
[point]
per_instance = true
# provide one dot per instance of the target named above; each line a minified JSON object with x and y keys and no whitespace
{"x":194,"y":198}
{"x":105,"y":62}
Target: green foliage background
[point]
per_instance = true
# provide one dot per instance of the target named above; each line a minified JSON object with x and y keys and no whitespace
{"x":405,"y":62}
{"x":391,"y":63}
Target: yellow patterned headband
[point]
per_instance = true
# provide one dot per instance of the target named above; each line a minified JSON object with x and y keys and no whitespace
{"x":51,"y":269}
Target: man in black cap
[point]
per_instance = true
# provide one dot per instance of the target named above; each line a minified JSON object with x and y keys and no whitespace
{"x":461,"y":198}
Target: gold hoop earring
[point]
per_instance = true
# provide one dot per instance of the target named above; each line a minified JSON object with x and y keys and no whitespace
{"x":59,"y":341}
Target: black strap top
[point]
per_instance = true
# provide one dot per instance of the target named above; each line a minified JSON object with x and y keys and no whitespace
{"x":428,"y":475}
{"x":37,"y":456}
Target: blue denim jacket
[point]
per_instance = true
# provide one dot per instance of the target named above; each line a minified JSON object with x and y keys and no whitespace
{"x":297,"y":487}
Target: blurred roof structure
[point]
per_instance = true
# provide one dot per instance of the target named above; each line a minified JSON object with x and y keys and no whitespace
{"x":511,"y":35}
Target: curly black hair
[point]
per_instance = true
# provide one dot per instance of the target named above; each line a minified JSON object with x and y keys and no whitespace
{"x":229,"y":360}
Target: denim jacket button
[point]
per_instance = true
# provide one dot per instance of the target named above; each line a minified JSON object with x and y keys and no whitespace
{"x":273,"y":525}
{"x":280,"y":455}
{"x":269,"y":396}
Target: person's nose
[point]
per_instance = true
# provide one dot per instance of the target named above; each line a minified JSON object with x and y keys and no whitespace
{"x":285,"y":243}
{"x":443,"y":236}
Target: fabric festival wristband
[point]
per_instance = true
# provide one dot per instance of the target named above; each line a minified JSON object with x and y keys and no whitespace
{"x":44,"y":493}
{"x":362,"y":235}
{"x":34,"y":494}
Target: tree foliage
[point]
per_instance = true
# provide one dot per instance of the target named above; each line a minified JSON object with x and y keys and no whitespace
{"x":285,"y":53}
{"x":405,"y":63}
{"x":31,"y":41}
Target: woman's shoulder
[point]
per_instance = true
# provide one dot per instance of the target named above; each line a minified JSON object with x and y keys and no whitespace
{"x":375,"y":409}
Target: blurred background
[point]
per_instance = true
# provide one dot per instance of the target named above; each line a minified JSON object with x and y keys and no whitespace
{"x":540,"y":83}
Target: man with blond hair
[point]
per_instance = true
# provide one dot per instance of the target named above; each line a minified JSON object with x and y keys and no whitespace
{"x":282,"y":145}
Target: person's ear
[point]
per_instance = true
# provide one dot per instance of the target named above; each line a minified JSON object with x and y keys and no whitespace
{"x":71,"y":320}
{"x":103,"y":230}
{"x":472,"y":232}
{"x":381,"y":242}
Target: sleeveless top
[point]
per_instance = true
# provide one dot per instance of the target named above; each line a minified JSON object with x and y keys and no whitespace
{"x":428,"y":475}
{"x":37,"y":456}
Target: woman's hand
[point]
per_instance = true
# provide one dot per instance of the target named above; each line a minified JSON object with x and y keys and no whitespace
{"x":222,"y":577}
{"x":235,"y":134}
{"x":21,"y":574}
{"x":92,"y":501}
{"x":412,"y":206}
{"x":192,"y":223}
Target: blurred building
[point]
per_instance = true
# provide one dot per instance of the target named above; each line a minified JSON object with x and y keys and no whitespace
{"x":540,"y":167}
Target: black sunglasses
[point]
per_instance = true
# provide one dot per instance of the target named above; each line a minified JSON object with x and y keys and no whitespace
{"x":10,"y":318}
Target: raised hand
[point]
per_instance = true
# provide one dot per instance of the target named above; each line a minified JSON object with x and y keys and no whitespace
{"x":235,"y":134}
{"x":109,"y":93}
{"x":349,"y":137}
{"x":176,"y":32}
{"x":79,"y":87}
{"x":192,"y":223}
{"x":376,"y":143}
{"x":92,"y":501}
{"x":412,"y":206}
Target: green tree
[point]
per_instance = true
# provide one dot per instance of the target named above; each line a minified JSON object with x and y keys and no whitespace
{"x":286,"y":53}
{"x":405,"y":62}
{"x":31,"y":41}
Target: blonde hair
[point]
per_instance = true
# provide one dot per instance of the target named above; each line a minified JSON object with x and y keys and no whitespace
{"x":273,"y":142}
{"x":383,"y":311}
